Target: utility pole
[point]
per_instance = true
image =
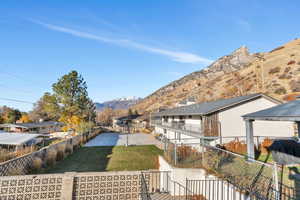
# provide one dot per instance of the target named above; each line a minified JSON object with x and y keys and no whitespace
{"x":128,"y":131}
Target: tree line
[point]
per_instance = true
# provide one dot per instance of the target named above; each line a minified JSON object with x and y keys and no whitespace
{"x":68,"y":103}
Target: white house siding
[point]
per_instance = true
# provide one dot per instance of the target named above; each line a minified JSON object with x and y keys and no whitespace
{"x":159,"y":130}
{"x":232,"y":124}
{"x":171,"y":134}
{"x":195,"y":120}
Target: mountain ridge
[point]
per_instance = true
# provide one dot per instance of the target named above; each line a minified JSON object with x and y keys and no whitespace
{"x":119,"y":103}
{"x":275,"y":73}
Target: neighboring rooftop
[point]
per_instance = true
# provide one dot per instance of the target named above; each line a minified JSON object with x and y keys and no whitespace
{"x":285,"y":112}
{"x":128,"y":117}
{"x":16,"y":138}
{"x":31,"y":125}
{"x":210,"y":107}
{"x":190,"y":99}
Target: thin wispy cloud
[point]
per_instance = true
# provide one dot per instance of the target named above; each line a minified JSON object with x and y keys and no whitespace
{"x":244,"y":24}
{"x":178,"y":56}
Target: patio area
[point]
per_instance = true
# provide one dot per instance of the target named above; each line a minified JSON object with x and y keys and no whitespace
{"x":118,"y":139}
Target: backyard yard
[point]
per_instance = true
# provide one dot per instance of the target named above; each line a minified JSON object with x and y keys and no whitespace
{"x":109,"y":158}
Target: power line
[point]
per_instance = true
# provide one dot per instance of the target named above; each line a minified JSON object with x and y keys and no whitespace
{"x":16,"y":100}
{"x":17,"y":89}
{"x":18,"y":77}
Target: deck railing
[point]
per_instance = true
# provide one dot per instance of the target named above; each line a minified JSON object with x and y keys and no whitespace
{"x":145,"y":195}
{"x":188,"y":129}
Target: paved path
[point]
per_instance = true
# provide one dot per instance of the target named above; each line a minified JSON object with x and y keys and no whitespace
{"x":117,"y":139}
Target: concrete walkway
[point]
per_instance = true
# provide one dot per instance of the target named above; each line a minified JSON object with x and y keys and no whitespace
{"x":118,"y":139}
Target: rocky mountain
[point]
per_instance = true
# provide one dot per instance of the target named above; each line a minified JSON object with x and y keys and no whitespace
{"x":276,"y":73}
{"x":121,"y":103}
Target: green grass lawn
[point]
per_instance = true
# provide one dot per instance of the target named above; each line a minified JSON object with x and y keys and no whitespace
{"x":118,"y":158}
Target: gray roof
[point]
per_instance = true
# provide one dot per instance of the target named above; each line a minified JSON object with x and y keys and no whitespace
{"x":31,"y":125}
{"x":128,"y":117}
{"x":210,"y":107}
{"x":16,"y":138}
{"x":285,"y":112}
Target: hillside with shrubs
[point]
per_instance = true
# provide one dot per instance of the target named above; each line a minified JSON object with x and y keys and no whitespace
{"x":275,"y":73}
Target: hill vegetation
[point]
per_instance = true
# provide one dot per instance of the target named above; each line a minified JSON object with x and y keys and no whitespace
{"x":275,"y":73}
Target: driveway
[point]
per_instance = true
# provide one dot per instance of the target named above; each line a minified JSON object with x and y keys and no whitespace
{"x":117,"y":139}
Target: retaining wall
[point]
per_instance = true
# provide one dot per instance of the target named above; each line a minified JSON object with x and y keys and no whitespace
{"x":207,"y":185}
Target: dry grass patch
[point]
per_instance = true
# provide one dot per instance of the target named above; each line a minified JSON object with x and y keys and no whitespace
{"x":118,"y":158}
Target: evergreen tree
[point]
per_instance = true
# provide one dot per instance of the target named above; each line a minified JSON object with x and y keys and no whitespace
{"x":69,"y":102}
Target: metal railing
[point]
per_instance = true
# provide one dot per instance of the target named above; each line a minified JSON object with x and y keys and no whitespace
{"x":159,"y":185}
{"x":145,"y":195}
{"x":252,"y":175}
{"x":216,"y":189}
{"x":179,"y":126}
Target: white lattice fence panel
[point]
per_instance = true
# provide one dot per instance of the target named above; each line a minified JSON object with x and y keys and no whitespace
{"x":31,"y":187}
{"x":108,"y":186}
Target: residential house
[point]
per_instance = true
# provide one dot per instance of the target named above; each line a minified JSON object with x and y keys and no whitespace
{"x":187,"y":102}
{"x":121,"y":123}
{"x":219,"y":120}
{"x":287,"y":112}
{"x":18,"y":140}
{"x":39,"y":127}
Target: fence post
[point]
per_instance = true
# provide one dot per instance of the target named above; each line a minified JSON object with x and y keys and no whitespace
{"x":275,"y":171}
{"x":175,"y":153}
{"x":67,"y":186}
{"x":165,"y":143}
{"x":202,"y":151}
{"x":186,"y":188}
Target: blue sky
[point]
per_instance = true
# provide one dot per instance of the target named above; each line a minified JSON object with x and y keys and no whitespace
{"x":128,"y":48}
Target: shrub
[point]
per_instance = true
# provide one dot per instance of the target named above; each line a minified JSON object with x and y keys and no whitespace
{"x":274,"y":70}
{"x":14,"y":171}
{"x":287,"y":69}
{"x":36,"y":164}
{"x":276,"y":49}
{"x":69,"y":149}
{"x":291,"y":96}
{"x":295,"y":85}
{"x":280,"y":90}
{"x":285,"y":76}
{"x":291,"y":62}
{"x":51,"y":157}
{"x":6,"y":155}
{"x":265,"y":145}
{"x":60,"y":152}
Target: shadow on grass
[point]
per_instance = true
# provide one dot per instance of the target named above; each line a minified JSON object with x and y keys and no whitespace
{"x":84,"y":159}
